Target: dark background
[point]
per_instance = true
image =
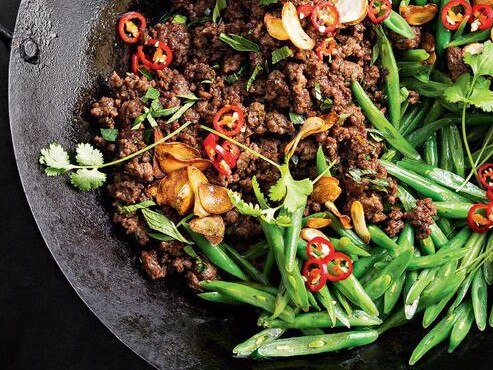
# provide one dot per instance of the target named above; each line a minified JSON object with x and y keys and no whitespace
{"x":43,"y":323}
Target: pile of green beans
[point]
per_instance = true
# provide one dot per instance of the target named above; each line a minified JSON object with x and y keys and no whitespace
{"x":445,"y":277}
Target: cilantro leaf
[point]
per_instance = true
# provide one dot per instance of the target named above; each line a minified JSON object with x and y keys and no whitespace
{"x":481,"y":63}
{"x":87,"y":155}
{"x":457,"y":93}
{"x":85,"y":179}
{"x":258,"y":69}
{"x":294,"y":192}
{"x":239,"y":43}
{"x":56,"y":160}
{"x":151,"y":94}
{"x":159,"y":222}
{"x":180,"y":112}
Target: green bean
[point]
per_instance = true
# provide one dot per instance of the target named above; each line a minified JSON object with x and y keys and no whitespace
{"x":256,"y":251}
{"x":446,"y":226}
{"x":424,"y":279}
{"x":444,"y":178}
{"x":361,"y":266}
{"x":291,"y":240}
{"x":251,"y":271}
{"x":248,"y":295}
{"x":421,"y":2}
{"x":217,"y":298}
{"x":249,"y":346}
{"x":264,"y":288}
{"x":309,"y":345}
{"x":410,"y":309}
{"x":490,"y":320}
{"x":326,"y":300}
{"x":419,"y":136}
{"x":478,"y":36}
{"x":314,"y":320}
{"x":436,"y":335}
{"x":392,"y":294}
{"x":343,"y":302}
{"x":353,"y":291}
{"x":415,"y":55}
{"x":392,"y":87}
{"x":457,"y":148}
{"x":216,"y":255}
{"x":292,"y":280}
{"x":410,"y":125}
{"x":421,"y":184}
{"x":396,"y":23}
{"x":436,"y":260}
{"x":348,"y":233}
{"x":437,"y":236}
{"x":443,"y":35}
{"x":269,"y":263}
{"x":382,"y":240}
{"x":430,"y":150}
{"x":345,"y":245}
{"x":412,"y":69}
{"x":433,"y":311}
{"x":282,"y":300}
{"x":378,"y":120}
{"x":461,"y":327}
{"x":431,"y":89}
{"x":313,"y":302}
{"x":488,"y":263}
{"x":427,"y":246}
{"x":458,"y":210}
{"x":444,"y":150}
{"x":391,"y":273}
{"x":479,"y":296}
{"x":440,"y":76}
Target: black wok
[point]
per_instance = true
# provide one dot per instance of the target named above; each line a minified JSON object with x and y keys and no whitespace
{"x":62,"y":52}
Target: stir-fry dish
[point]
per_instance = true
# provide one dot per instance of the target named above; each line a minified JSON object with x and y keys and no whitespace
{"x":324,"y":162}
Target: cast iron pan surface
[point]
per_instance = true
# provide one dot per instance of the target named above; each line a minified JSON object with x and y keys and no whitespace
{"x":62,"y":52}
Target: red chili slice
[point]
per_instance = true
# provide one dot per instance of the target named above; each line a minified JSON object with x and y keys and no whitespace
{"x":209,"y":145}
{"x":480,"y":218}
{"x":326,"y":48}
{"x":315,"y":273}
{"x":232,"y":148}
{"x":155,"y":54}
{"x":339,"y":267}
{"x":489,"y":193}
{"x":229,"y":120}
{"x":485,"y":175}
{"x":130,"y":26}
{"x":227,"y":156}
{"x":482,"y":17}
{"x":304,"y":11}
{"x":325,"y":17}
{"x":136,"y":65}
{"x":319,"y":248}
{"x":379,"y":10}
{"x":454,"y":13}
{"x":222,"y":167}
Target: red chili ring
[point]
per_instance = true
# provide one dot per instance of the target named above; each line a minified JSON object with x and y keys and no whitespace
{"x":336,"y":273}
{"x":158,"y":45}
{"x":374,"y":17}
{"x":225,"y":127}
{"x":485,"y":175}
{"x":483,"y":13}
{"x":452,"y":4}
{"x":315,"y":273}
{"x":323,"y":247}
{"x":122,"y":25}
{"x":232,"y":148}
{"x":227,"y":156}
{"x":209,"y":145}
{"x":489,"y":193}
{"x":326,"y":12}
{"x":477,"y":222}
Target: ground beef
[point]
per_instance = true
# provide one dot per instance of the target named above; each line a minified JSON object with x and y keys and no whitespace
{"x":422,"y":217}
{"x":455,"y":63}
{"x":403,"y":43}
{"x":302,"y":84}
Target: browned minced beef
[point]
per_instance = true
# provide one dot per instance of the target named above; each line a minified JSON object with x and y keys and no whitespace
{"x":402,"y":43}
{"x":200,"y":66}
{"x":455,"y":63}
{"x":421,"y":218}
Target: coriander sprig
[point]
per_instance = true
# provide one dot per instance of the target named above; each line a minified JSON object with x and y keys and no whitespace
{"x":88,"y":162}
